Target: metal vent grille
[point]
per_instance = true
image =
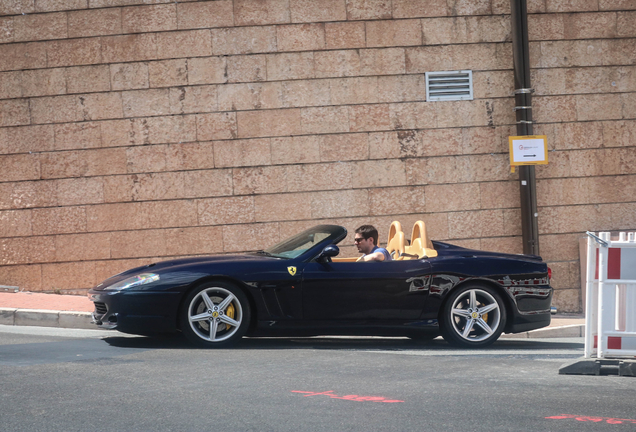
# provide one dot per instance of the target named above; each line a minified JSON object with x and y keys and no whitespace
{"x":449,"y":86}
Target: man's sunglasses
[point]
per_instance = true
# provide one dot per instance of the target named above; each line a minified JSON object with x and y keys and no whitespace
{"x":359,"y":239}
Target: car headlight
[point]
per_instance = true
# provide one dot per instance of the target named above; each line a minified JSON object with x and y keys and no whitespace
{"x":140,"y":279}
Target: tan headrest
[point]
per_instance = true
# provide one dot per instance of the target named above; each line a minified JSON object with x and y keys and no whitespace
{"x":393,"y":229}
{"x":397,"y":245}
{"x":419,"y":236}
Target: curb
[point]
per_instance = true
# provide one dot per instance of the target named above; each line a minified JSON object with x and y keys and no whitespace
{"x":46,"y":318}
{"x":576,"y":330}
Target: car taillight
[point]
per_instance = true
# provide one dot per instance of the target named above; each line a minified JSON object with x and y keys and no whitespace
{"x":549,"y":274}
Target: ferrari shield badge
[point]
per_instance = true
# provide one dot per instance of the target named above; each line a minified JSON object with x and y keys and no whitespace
{"x":292,"y":270}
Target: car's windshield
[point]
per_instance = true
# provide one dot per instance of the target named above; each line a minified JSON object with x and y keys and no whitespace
{"x":300,"y":243}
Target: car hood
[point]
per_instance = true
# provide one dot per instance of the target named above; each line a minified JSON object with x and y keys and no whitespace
{"x":186,"y":269}
{"x":217,"y":259}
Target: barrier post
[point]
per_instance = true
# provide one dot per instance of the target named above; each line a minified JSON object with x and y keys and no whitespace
{"x":606,"y":302}
{"x":610,"y":310}
{"x":611,"y":292}
{"x":591,"y":294}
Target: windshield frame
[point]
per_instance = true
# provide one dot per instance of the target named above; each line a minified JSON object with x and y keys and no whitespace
{"x":335,"y":234}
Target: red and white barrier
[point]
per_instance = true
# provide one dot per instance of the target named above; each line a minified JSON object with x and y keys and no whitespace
{"x":610,"y":312}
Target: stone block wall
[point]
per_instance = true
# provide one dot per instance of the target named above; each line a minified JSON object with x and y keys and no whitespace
{"x":131,"y":132}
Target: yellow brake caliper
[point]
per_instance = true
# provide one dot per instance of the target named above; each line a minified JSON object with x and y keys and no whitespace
{"x":230,"y":312}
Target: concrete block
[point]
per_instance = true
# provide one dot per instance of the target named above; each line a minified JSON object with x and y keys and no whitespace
{"x":129,"y":76}
{"x":243,"y":40}
{"x":79,"y":320}
{"x":139,"y":103}
{"x":15,"y":112}
{"x":153,"y":243}
{"x":98,"y":22}
{"x":368,"y":9}
{"x":314,"y":177}
{"x":43,"y":82}
{"x":394,"y":33}
{"x":74,"y":52}
{"x":289,"y":66}
{"x":208,"y":183}
{"x":345,"y":35}
{"x":7,"y":316}
{"x":416,"y":8}
{"x":151,"y":18}
{"x":236,"y":153}
{"x":259,"y":180}
{"x":266,"y":123}
{"x":599,"y":367}
{"x":59,"y":220}
{"x":100,"y":106}
{"x":36,"y":317}
{"x":209,"y":70}
{"x":300,"y":37}
{"x":205,"y":14}
{"x":69,"y":276}
{"x":311,"y":11}
{"x":220,"y":211}
{"x":261,"y":12}
{"x":88,"y":79}
{"x":23,"y":56}
{"x":188,"y":241}
{"x":242,"y":237}
{"x":216,"y":126}
{"x":40,"y":27}
{"x":321,"y":120}
{"x":128,"y":48}
{"x":185,"y":100}
{"x":171,"y":129}
{"x":247,"y":68}
{"x":58,"y":109}
{"x":269,"y":208}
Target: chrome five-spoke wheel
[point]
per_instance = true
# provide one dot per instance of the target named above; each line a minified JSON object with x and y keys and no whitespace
{"x":215,"y":314}
{"x":473,"y":316}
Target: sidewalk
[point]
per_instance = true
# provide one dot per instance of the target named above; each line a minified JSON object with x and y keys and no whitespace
{"x":46,"y":310}
{"x":71,"y":311}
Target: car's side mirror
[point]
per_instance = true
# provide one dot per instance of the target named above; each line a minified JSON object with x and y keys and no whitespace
{"x":328,"y":252}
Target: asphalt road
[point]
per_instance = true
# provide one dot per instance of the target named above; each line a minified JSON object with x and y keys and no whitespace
{"x":68,"y":380}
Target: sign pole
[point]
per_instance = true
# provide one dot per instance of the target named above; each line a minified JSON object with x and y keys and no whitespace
{"x":523,"y":110}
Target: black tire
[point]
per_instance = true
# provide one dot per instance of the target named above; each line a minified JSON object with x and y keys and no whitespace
{"x":473,"y":316}
{"x":215,"y":314}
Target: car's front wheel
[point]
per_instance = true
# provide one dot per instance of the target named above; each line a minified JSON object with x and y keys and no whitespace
{"x":473,"y":316}
{"x":215,"y":314}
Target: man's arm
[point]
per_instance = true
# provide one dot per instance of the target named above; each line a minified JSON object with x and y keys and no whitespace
{"x":375,"y":256}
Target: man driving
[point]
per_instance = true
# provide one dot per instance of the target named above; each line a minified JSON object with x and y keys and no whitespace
{"x":366,"y":240}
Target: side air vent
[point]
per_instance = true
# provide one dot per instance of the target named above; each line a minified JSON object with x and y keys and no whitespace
{"x":449,"y":86}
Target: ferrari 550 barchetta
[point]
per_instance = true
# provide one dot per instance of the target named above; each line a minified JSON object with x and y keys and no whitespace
{"x":300,"y":287}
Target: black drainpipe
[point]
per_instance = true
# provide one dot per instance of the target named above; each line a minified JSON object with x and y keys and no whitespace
{"x":523,"y":110}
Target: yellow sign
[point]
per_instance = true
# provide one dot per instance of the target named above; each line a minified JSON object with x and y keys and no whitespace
{"x":528,"y":150}
{"x":292,"y":270}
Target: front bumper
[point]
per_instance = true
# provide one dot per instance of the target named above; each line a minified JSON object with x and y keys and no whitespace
{"x":136,"y":312}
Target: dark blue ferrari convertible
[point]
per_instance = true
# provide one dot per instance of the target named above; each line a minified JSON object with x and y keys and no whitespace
{"x":300,"y":287}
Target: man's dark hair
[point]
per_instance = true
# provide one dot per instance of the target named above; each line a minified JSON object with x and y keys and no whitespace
{"x":368,"y":231}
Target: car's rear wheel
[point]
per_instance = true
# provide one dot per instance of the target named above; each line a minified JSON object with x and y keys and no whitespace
{"x":215,"y":314}
{"x":473,"y":316}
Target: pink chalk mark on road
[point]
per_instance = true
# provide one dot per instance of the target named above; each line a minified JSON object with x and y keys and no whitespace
{"x":593,"y":419}
{"x":356,"y":398}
